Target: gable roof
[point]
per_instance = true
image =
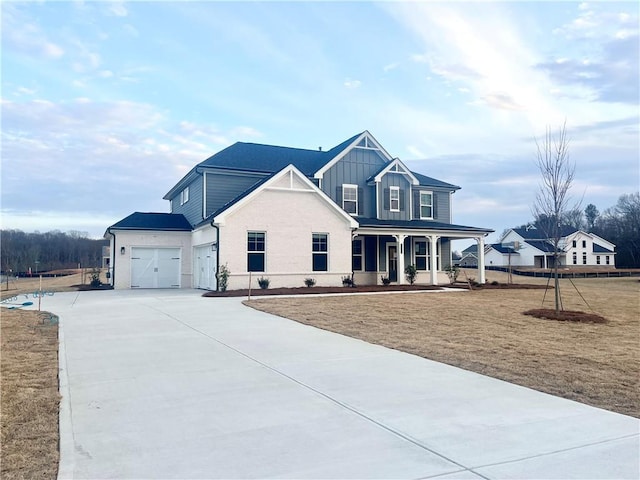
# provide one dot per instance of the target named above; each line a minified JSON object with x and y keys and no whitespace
{"x":432,"y":182}
{"x":400,"y":168}
{"x":538,"y":234}
{"x":220,"y":214}
{"x":541,"y":245}
{"x":153,"y":221}
{"x":498,"y":247}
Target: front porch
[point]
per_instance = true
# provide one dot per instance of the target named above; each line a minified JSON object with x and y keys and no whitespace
{"x":384,"y":251}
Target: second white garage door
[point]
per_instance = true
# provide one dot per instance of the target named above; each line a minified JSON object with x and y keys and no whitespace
{"x":155,"y":267}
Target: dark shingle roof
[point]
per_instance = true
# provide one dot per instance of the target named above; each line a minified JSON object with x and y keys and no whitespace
{"x":432,"y":182}
{"x":538,"y":234}
{"x":375,"y":222}
{"x":471,"y":249}
{"x":600,"y":249}
{"x":502,"y":249}
{"x":271,"y":158}
{"x":541,"y":245}
{"x":153,"y":221}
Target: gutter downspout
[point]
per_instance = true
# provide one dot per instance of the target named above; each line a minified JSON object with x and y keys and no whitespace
{"x":217,"y":253}
{"x":113,"y":258}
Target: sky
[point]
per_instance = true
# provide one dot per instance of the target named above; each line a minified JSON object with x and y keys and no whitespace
{"x":106,"y":105}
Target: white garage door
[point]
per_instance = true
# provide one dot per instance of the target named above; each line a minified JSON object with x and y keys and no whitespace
{"x":155,"y":267}
{"x":205,"y":267}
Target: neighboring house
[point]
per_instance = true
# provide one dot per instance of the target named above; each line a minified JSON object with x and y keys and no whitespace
{"x":287,"y":214}
{"x":532,"y":248}
{"x":470,"y":257}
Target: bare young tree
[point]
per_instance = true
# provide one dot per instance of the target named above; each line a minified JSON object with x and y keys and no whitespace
{"x":552,"y":200}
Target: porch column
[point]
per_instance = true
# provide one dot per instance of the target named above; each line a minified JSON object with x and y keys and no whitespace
{"x":433,"y":246}
{"x":400,"y":240}
{"x":481,"y":272}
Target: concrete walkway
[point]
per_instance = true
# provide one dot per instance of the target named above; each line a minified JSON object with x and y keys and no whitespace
{"x":167,"y":384}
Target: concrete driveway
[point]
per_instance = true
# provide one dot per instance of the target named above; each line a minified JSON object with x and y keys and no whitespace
{"x":167,"y":384}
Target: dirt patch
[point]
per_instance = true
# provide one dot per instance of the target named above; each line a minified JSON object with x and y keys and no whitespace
{"x":565,"y":315}
{"x":485,"y":331}
{"x":29,"y":396}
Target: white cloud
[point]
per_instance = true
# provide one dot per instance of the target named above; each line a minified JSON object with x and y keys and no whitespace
{"x":349,"y":83}
{"x":118,"y":9}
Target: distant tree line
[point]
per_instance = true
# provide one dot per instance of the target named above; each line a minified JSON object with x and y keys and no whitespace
{"x":42,"y":252}
{"x":619,"y":224}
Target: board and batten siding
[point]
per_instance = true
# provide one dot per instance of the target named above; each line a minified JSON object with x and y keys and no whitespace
{"x":192,"y":209}
{"x":441,"y":206}
{"x":354,"y":169}
{"x":402,"y":182}
{"x":223,"y":187}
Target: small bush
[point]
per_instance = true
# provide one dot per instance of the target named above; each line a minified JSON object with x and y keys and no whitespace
{"x":309,"y":282}
{"x":385,"y":280}
{"x":95,"y":278}
{"x":495,"y":282}
{"x":452,"y":272}
{"x":263,"y":283}
{"x":223,"y":277}
{"x":411,"y":272}
{"x":347,"y":281}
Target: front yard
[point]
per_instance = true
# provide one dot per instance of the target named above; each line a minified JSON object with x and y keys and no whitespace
{"x":485,"y":331}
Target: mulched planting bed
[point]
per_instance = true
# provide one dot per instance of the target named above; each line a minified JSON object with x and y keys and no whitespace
{"x":565,"y":315}
{"x":320,"y":290}
{"x":499,"y":286}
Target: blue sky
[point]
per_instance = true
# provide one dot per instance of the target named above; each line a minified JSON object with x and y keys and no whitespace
{"x":106,"y":105}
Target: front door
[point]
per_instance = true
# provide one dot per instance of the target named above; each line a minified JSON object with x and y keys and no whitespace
{"x":392,"y":262}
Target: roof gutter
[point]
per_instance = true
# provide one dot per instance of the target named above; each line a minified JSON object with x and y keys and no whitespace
{"x":113,"y":258}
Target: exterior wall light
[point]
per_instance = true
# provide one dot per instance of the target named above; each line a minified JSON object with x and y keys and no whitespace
{"x":122,"y":250}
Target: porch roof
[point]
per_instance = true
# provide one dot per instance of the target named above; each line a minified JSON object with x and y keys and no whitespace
{"x":419,"y":226}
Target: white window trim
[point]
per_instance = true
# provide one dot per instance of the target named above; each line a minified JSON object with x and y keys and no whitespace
{"x":426,"y":255}
{"x":394,"y":189}
{"x":348,"y":186}
{"x":326,"y":253}
{"x":264,"y":252}
{"x":426,"y":192}
{"x":184,"y":196}
{"x":361,"y":254}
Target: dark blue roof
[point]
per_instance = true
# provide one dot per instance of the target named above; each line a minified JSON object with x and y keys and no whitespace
{"x":432,"y":182}
{"x":270,"y":158}
{"x":422,"y":224}
{"x":502,"y":249}
{"x":539,"y":234}
{"x":541,"y":245}
{"x":600,"y":249}
{"x":153,"y":221}
{"x":471,"y":249}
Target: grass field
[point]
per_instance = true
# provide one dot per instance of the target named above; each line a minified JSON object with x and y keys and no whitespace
{"x":486,"y":332}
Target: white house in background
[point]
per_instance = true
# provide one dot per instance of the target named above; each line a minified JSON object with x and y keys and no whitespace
{"x":529,"y":247}
{"x":289,"y":214}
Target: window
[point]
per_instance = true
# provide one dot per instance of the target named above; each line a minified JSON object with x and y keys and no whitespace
{"x":584,"y":258}
{"x":255,"y":251}
{"x":184,"y":196}
{"x":606,"y":258}
{"x":394,"y":199}
{"x":575,"y":243}
{"x":575,"y":258}
{"x":350,"y":199}
{"x":320,"y":247}
{"x":584,"y":244}
{"x":421,"y":255}
{"x":598,"y":259}
{"x":356,"y":255}
{"x":426,"y":205}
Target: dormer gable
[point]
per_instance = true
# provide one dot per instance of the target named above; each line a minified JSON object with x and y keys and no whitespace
{"x":395,"y":166}
{"x":364,"y":141}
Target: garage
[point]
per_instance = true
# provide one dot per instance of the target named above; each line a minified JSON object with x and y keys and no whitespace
{"x":155,"y":267}
{"x":204,"y":267}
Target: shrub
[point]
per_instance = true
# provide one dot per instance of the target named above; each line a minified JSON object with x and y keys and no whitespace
{"x":347,"y":281}
{"x":452,"y":272}
{"x":385,"y":280}
{"x":95,"y":278}
{"x":495,"y":282}
{"x":411,"y":272}
{"x":263,"y":283}
{"x":309,"y":282}
{"x":223,"y":277}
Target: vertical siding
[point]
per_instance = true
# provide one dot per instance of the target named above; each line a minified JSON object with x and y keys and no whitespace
{"x":395,"y":180}
{"x":355,"y":168}
{"x":222,"y":188}
{"x":441,"y":205}
{"x":192,"y":210}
